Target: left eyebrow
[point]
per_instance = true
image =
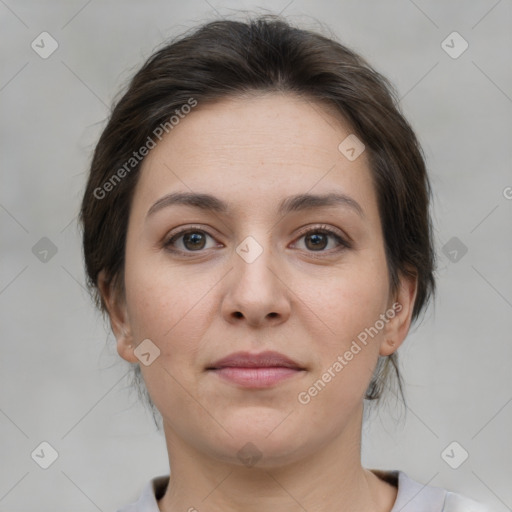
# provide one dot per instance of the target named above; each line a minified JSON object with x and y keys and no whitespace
{"x":294,"y":203}
{"x":309,"y":201}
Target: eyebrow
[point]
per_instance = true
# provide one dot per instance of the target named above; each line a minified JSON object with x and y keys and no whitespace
{"x":294,"y":203}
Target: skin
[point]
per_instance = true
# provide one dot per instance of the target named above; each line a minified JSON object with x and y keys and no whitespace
{"x":306,"y":301}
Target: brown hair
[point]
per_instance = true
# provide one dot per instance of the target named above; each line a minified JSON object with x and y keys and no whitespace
{"x":229,"y":58}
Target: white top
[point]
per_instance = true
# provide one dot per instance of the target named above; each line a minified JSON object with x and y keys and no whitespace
{"x":412,"y":496}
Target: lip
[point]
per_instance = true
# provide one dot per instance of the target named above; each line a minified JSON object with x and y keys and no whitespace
{"x":268,"y":359}
{"x":261,"y":370}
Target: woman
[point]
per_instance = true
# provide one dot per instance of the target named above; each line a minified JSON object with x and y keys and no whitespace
{"x":256,"y":227}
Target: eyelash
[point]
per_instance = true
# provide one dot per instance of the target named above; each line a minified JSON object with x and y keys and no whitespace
{"x":323,"y":229}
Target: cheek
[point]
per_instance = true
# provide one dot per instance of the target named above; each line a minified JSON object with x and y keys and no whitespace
{"x":174,"y":315}
{"x":173,"y":309}
{"x":349,"y":306}
{"x":350,"y":301}
{"x":161,"y":297}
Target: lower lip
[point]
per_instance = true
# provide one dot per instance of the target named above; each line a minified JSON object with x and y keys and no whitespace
{"x":256,"y":377}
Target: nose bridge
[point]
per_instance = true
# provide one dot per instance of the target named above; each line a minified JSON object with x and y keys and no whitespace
{"x":256,"y":292}
{"x":254,"y":266}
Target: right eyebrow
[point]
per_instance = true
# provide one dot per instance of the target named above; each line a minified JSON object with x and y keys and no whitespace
{"x":202,"y":201}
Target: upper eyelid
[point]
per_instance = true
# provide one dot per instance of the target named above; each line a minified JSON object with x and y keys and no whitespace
{"x":323,"y":227}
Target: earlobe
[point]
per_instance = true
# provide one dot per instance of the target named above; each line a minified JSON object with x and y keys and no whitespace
{"x":388,"y":347}
{"x":119,"y":320}
{"x":125,"y":350}
{"x":402,"y":307}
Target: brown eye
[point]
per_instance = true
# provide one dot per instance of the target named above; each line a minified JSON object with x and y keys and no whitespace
{"x":318,"y":240}
{"x":194,"y":240}
{"x":188,"y":240}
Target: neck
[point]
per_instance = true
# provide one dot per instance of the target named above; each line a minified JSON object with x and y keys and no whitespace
{"x":329,"y":478}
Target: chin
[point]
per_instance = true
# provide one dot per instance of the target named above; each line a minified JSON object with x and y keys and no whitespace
{"x":259,"y":453}
{"x":262,"y":438}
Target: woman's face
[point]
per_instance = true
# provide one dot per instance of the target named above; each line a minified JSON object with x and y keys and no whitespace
{"x":267,"y":263}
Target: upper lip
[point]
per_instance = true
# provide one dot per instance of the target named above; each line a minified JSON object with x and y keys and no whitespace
{"x":261,"y":360}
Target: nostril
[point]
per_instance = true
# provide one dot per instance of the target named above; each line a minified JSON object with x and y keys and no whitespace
{"x":237,"y":314}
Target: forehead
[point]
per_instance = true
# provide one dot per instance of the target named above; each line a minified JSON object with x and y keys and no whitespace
{"x":259,"y":148}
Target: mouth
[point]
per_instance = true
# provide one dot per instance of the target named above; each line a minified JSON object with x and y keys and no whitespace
{"x":255,"y":370}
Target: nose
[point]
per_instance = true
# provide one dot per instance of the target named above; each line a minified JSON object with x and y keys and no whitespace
{"x":256,"y":291}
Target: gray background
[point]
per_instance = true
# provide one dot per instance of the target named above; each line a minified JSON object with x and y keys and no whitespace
{"x":61,"y":379}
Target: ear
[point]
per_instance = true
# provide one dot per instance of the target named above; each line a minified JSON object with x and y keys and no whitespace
{"x":119,"y":319}
{"x":399,"y":314}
